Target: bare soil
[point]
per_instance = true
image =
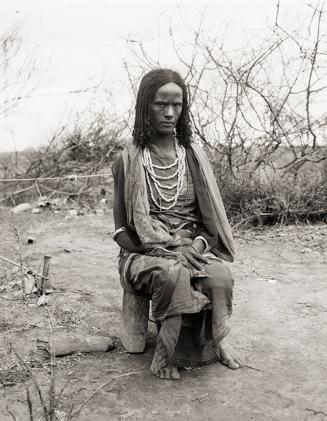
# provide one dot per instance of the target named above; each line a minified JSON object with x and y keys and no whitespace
{"x":279,"y":326}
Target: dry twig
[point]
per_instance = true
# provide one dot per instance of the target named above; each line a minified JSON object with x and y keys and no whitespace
{"x":100,"y":388}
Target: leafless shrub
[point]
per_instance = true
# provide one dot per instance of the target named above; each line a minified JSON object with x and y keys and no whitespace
{"x":85,"y":150}
{"x":18,"y":78}
{"x":256,"y":111}
{"x":248,"y":104}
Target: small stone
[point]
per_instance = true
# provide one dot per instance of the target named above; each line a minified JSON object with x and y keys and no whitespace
{"x":21,"y":208}
{"x":30,"y":240}
{"x":72,"y":213}
{"x":36,"y":210}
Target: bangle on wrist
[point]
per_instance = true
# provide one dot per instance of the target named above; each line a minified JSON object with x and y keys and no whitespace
{"x":204,"y":247}
{"x":117,"y":232}
{"x":198,"y":245}
{"x":194,"y":248}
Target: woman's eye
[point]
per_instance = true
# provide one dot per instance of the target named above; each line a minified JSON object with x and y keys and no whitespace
{"x":163,"y":105}
{"x":160,"y":104}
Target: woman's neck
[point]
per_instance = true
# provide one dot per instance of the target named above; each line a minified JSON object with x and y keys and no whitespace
{"x":164,"y":143}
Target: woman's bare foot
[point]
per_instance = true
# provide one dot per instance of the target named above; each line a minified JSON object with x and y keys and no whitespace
{"x":168,"y":373}
{"x":226,"y":355}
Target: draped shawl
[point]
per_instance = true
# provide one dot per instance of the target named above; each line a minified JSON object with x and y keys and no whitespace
{"x":152,"y":232}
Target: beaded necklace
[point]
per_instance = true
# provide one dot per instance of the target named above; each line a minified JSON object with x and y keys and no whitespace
{"x":156,"y":179}
{"x":187,"y":194}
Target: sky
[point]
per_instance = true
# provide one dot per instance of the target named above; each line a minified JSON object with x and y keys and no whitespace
{"x":78,"y":49}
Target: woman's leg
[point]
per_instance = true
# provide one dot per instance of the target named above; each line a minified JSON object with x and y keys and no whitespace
{"x":154,"y":276}
{"x":219,"y":288}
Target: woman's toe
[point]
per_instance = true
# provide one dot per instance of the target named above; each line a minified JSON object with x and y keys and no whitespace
{"x":239,"y":362}
{"x":174,"y":375}
{"x":231,"y":363}
{"x":167,"y":373}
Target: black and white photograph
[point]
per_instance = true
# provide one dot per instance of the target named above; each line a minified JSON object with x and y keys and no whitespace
{"x":163,"y":210}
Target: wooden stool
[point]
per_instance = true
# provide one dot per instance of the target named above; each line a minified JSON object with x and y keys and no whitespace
{"x":134,"y":322}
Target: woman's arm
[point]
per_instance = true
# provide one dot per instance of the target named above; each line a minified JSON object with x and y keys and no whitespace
{"x":125,"y":239}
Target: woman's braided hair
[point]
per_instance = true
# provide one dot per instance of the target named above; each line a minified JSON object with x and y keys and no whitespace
{"x":149,"y":85}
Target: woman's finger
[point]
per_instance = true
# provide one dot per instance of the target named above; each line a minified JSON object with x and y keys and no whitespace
{"x":193,"y":261}
{"x":199,"y":256}
{"x":186,"y":241}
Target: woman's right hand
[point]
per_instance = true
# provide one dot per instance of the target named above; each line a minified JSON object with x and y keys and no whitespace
{"x":192,"y":256}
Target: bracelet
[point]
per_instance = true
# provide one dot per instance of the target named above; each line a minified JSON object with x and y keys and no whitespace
{"x":117,"y":232}
{"x":204,"y":242}
{"x":194,"y":248}
{"x":198,"y":241}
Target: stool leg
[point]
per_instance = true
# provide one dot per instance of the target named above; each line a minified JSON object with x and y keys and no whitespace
{"x":134,"y":322}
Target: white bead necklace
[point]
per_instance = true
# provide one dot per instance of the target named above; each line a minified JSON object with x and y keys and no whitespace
{"x":151,"y":175}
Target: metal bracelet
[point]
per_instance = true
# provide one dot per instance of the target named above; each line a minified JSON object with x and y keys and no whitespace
{"x":118,"y":231}
{"x":195,"y":242}
{"x":194,"y":248}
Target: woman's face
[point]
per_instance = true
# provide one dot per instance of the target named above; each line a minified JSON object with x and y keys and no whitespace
{"x":166,"y":108}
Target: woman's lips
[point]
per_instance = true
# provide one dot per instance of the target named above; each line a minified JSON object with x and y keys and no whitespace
{"x":167,"y":123}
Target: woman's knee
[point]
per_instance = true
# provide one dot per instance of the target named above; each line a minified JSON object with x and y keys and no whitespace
{"x":220,"y":276}
{"x":162,"y":280}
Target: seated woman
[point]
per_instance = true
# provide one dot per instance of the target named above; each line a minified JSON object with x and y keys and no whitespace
{"x":173,"y":231}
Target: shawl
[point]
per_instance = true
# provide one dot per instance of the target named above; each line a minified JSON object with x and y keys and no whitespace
{"x":152,"y":232}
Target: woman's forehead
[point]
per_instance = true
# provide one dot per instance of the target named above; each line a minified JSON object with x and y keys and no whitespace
{"x":169,"y":90}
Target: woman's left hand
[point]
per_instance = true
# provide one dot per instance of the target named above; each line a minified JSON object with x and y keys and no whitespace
{"x":192,"y":256}
{"x":186,"y":241}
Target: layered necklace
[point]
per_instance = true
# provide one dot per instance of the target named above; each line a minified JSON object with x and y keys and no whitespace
{"x":158,"y":181}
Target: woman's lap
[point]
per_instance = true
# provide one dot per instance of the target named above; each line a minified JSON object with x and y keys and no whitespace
{"x":150,"y":275}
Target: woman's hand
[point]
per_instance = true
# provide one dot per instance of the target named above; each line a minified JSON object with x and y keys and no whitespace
{"x":185,"y":236}
{"x":192,"y":256}
{"x":186,"y":241}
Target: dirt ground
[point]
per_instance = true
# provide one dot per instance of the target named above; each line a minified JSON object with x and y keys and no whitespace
{"x":279,"y":326}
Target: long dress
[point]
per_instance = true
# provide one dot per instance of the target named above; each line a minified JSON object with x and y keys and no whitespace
{"x":188,"y":336}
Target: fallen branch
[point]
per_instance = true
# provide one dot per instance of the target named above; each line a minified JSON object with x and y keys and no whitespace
{"x":10,"y":412}
{"x":316,"y":412}
{"x":10,"y":261}
{"x":26,"y":268}
{"x":2,"y":199}
{"x":100,"y":388}
{"x":200,"y":397}
{"x":251,"y":367}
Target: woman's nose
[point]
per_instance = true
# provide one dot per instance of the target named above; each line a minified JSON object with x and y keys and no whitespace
{"x":169,"y":111}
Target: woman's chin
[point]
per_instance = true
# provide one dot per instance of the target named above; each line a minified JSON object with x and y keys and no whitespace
{"x":164,"y":131}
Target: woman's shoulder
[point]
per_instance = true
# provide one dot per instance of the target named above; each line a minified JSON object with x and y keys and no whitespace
{"x":117,"y":165}
{"x":126,"y":155}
